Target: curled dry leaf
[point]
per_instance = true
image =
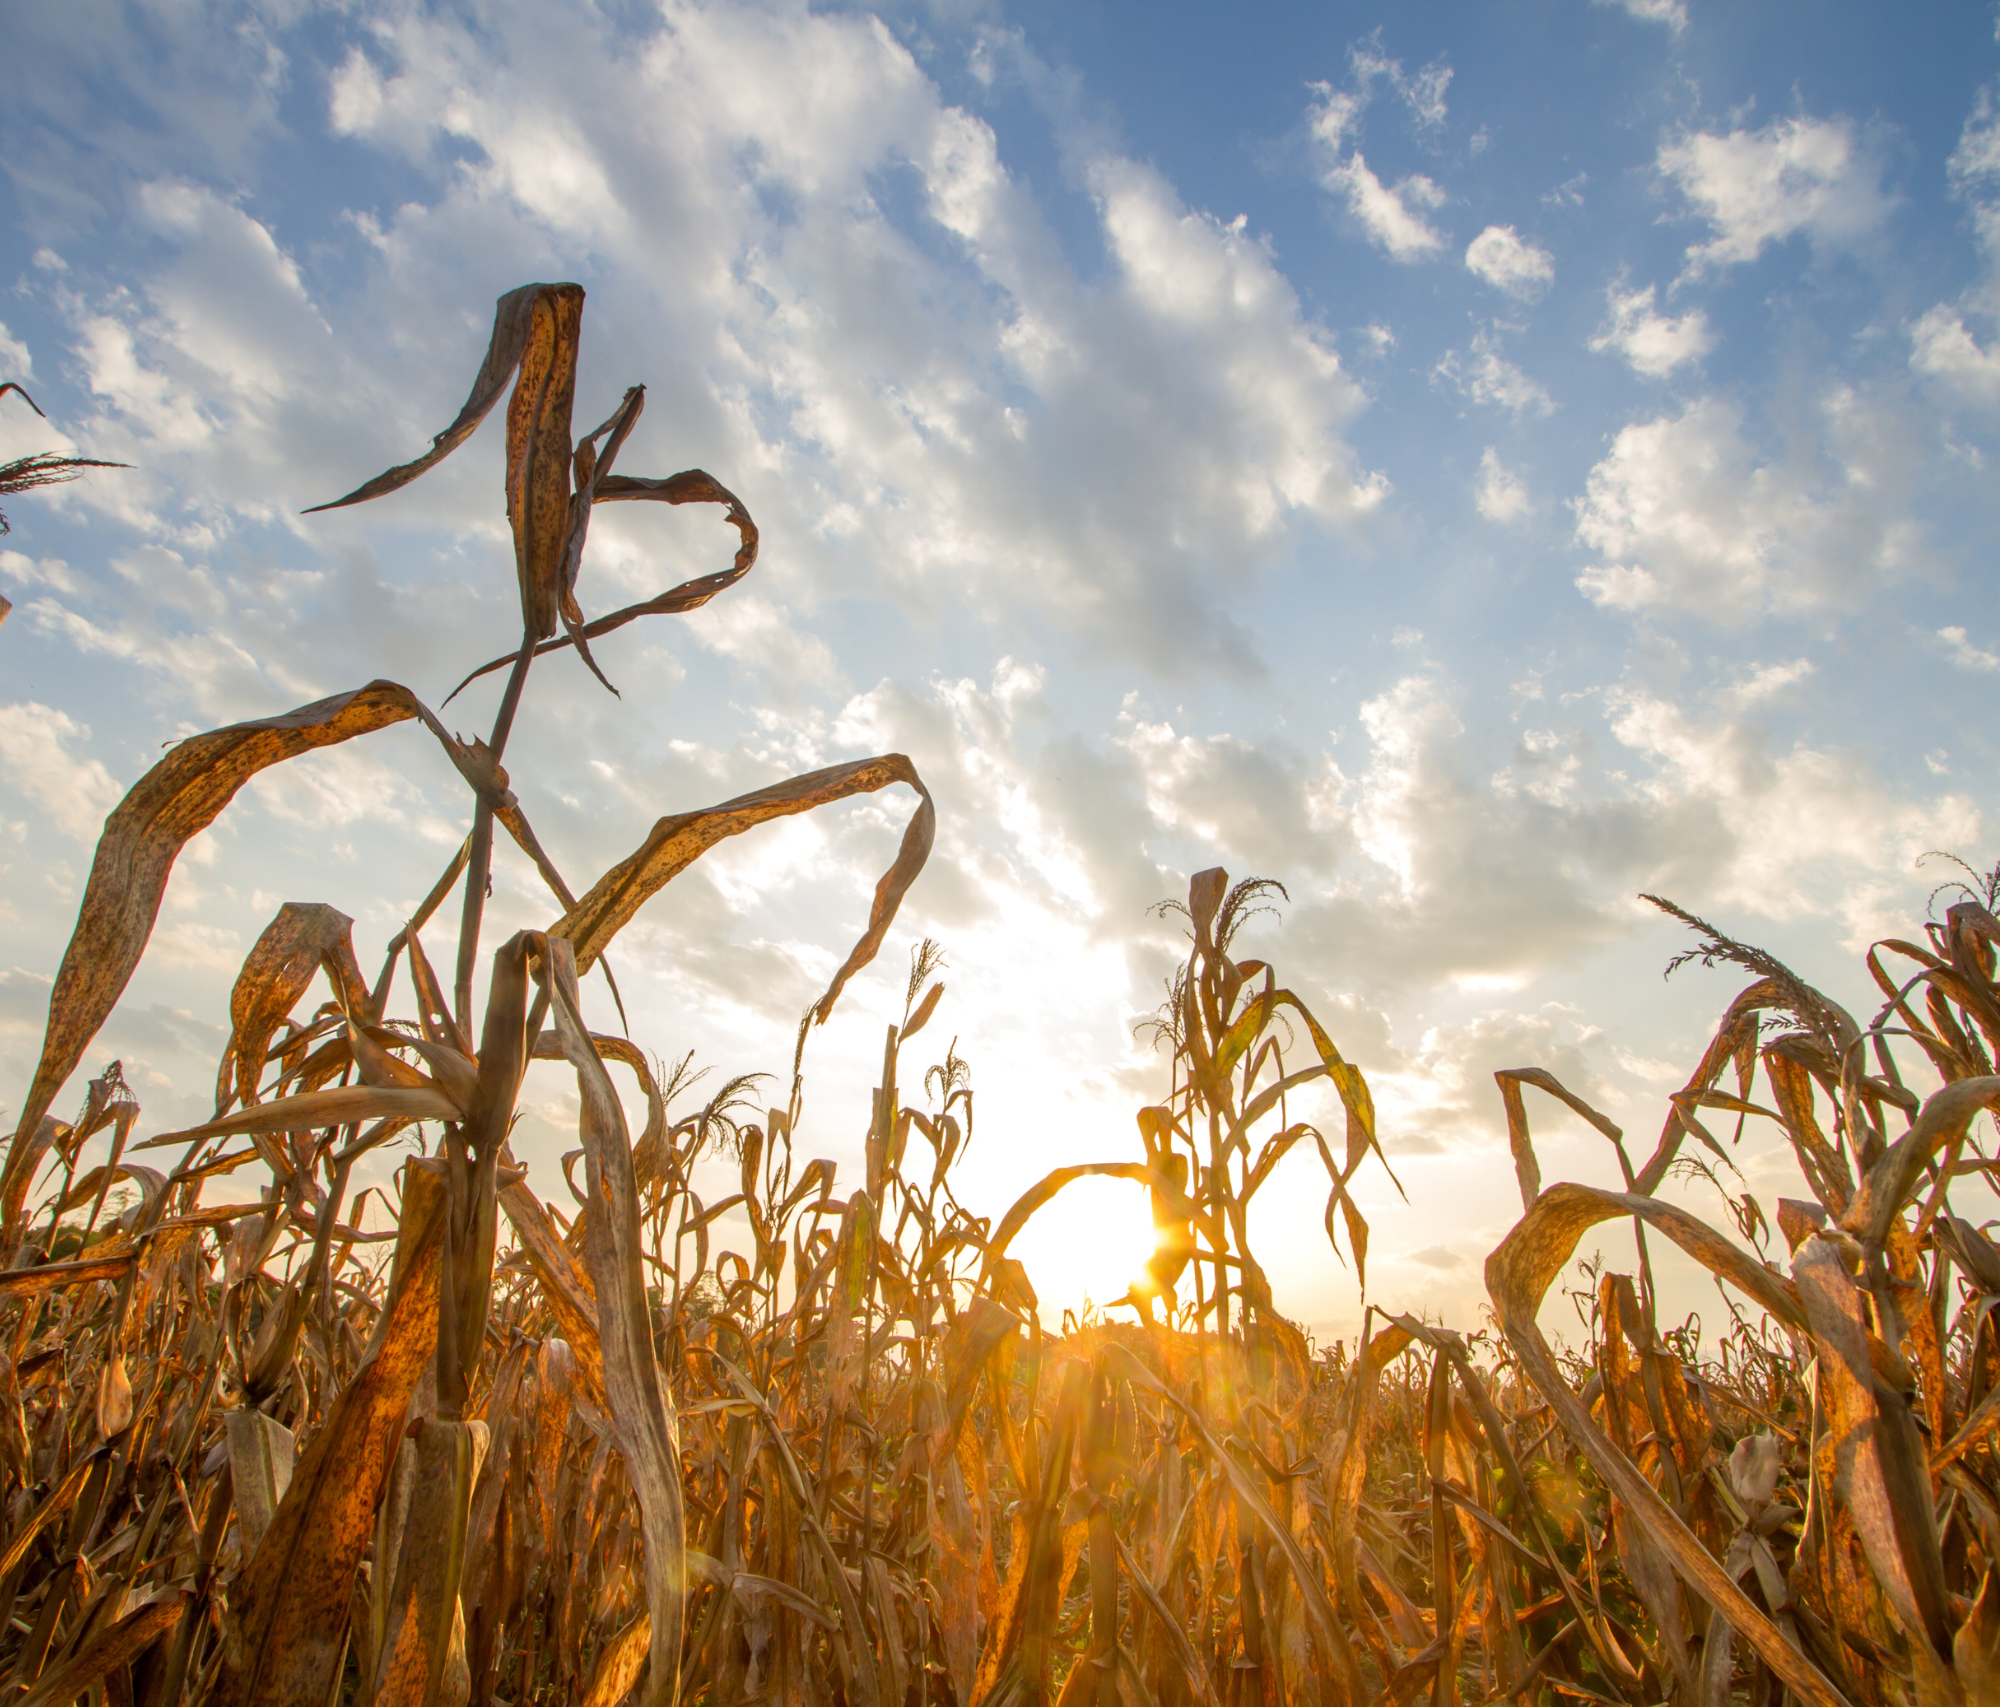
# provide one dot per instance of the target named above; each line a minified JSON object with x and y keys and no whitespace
{"x":677,"y":842}
{"x":176,"y":800}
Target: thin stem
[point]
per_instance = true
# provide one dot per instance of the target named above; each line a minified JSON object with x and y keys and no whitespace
{"x":479,"y":863}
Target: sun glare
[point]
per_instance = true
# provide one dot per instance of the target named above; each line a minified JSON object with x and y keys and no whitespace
{"x":1089,"y":1246}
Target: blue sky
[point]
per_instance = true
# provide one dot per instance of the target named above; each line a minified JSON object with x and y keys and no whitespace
{"x":1472,"y":463}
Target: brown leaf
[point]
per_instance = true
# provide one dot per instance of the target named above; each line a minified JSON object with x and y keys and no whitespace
{"x":1518,"y":1276}
{"x":693,"y":487}
{"x":423,"y":1597}
{"x":51,"y":1276}
{"x":275,"y":974}
{"x":262,"y":1453}
{"x":1893,"y":1179}
{"x":1879,"y":1477}
{"x":290,"y":1603}
{"x":677,"y":842}
{"x":619,"y":1664}
{"x":341,"y":1106}
{"x":646,"y":1432}
{"x":563,"y":1281}
{"x":174,"y":801}
{"x":117,"y":1646}
{"x":114,"y":1398}
{"x":513,"y":321}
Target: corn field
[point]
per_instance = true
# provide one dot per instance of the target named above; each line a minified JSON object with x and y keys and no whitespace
{"x":507,"y":1453}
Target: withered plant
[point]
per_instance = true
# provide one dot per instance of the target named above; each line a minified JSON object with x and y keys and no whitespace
{"x":499,"y":1452}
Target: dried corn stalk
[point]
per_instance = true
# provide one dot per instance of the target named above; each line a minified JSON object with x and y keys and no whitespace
{"x":255,"y":1452}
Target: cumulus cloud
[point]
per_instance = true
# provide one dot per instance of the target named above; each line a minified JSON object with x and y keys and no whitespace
{"x":959,"y":443}
{"x":15,"y":361}
{"x":1500,"y":495}
{"x":1758,"y":187}
{"x":1942,"y":348}
{"x":1501,"y":257}
{"x":1654,"y":343}
{"x":41,"y":753}
{"x":1389,"y":215}
{"x":1685,"y":514}
{"x":1791,"y":817}
{"x":1482,"y":374}
{"x":1974,"y":166}
{"x":1965,"y":655}
{"x":936,"y":403}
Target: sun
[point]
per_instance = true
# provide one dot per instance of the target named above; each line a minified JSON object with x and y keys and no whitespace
{"x":1089,"y":1246}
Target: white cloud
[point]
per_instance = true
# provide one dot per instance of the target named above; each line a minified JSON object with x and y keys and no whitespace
{"x":1654,"y":343}
{"x":1501,"y":257}
{"x":1500,"y":495}
{"x":1387,"y":214}
{"x":1802,"y":829}
{"x":1335,"y":114}
{"x":1569,"y":193}
{"x":1685,"y":515}
{"x":1942,"y":349}
{"x":1484,"y":375}
{"x":1760,"y":187}
{"x":1965,"y":655}
{"x":1672,"y":13}
{"x":941,"y":422}
{"x":38,"y":752}
{"x":1975,"y":162}
{"x":1422,"y":91}
{"x":942,"y":413}
{"x":15,"y":363}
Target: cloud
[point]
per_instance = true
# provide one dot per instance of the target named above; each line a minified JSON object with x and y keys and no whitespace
{"x":961,"y":443}
{"x":1336,"y":113}
{"x":1386,"y":214}
{"x":1965,"y":655}
{"x":1437,"y":1256}
{"x":1569,"y":193}
{"x":1422,"y":91}
{"x":1804,"y":829}
{"x":1500,"y":257}
{"x":1450,"y":870}
{"x":1484,"y":375}
{"x":38,"y":752}
{"x":1975,"y":163}
{"x":15,"y":363}
{"x":1942,"y":348}
{"x":1655,"y":344}
{"x":1796,"y":175}
{"x":935,"y":404}
{"x":1672,"y":13}
{"x":1500,"y":495}
{"x":1685,"y":515}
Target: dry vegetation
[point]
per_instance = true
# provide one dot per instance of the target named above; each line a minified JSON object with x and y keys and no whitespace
{"x":250,"y":1452}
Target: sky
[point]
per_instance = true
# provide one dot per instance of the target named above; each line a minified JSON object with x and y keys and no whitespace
{"x":1473,"y":464}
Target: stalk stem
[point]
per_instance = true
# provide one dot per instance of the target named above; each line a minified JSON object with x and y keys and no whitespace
{"x":479,"y":863}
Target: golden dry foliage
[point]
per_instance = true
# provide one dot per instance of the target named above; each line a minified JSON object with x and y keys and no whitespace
{"x":503,"y":1453}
